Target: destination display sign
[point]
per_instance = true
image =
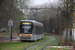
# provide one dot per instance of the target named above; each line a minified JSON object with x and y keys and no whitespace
{"x":26,"y":23}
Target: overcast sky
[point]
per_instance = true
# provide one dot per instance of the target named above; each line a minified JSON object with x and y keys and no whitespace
{"x":39,"y":2}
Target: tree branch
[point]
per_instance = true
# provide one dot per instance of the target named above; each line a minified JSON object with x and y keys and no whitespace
{"x":1,"y":2}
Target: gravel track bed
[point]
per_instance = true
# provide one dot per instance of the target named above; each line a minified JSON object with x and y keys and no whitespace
{"x":6,"y":38}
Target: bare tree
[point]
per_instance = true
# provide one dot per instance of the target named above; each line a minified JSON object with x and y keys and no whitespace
{"x":6,"y":10}
{"x":1,"y":2}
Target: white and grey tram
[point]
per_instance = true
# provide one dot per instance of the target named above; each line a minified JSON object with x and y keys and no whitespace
{"x":31,"y":30}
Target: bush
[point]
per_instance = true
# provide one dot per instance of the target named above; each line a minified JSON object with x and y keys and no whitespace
{"x":61,"y":43}
{"x":3,"y":30}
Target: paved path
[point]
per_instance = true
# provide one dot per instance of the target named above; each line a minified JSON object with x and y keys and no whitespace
{"x":6,"y":39}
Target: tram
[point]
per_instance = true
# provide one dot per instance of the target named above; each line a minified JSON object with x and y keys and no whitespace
{"x":31,"y":30}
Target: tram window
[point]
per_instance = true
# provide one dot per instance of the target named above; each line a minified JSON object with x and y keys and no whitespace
{"x":38,"y":29}
{"x":26,"y":29}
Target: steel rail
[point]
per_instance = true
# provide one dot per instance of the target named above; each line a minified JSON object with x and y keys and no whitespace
{"x":50,"y":44}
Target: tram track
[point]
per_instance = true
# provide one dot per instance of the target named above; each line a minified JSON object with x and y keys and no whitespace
{"x":38,"y":44}
{"x":42,"y":43}
{"x":50,"y":44}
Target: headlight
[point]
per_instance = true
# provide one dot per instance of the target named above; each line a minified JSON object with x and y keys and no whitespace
{"x":20,"y":34}
{"x":31,"y":35}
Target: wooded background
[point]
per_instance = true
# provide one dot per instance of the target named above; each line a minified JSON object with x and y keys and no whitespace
{"x":13,"y":9}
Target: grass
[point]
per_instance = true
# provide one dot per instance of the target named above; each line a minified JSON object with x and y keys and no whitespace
{"x":19,"y":45}
{"x":12,"y":45}
{"x":48,"y":34}
{"x":55,"y":44}
{"x":39,"y":47}
{"x":5,"y":33}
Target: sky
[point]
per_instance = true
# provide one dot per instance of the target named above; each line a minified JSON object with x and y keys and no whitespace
{"x":39,"y":2}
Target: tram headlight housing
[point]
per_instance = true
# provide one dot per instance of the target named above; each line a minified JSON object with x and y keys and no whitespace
{"x":20,"y":34}
{"x":31,"y":35}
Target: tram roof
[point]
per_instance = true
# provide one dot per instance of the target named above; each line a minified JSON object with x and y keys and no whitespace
{"x":33,"y":21}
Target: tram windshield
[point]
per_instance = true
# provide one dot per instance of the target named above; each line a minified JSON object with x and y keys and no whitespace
{"x":26,"y":28}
